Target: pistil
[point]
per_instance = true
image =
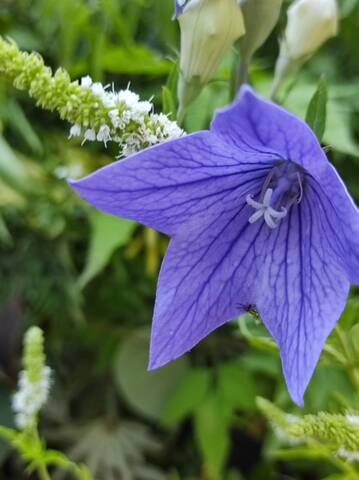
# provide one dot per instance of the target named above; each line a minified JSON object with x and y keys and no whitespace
{"x":282,"y":188}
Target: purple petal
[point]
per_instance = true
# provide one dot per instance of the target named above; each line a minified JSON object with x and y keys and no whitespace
{"x":206,"y":279}
{"x":302,"y":290}
{"x":340,"y":219}
{"x":167,"y":186}
{"x":253,"y":124}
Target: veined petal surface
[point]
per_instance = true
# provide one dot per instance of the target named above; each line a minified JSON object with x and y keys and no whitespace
{"x":303,"y":288}
{"x":207,"y":278}
{"x":167,"y":186}
{"x":340,"y":219}
{"x":256,"y":125}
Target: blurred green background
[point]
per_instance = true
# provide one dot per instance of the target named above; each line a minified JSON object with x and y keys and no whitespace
{"x":89,"y":279}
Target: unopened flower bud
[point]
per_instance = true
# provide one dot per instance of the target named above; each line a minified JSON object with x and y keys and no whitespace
{"x":310,"y":24}
{"x":208,"y":29}
{"x":260,"y":17}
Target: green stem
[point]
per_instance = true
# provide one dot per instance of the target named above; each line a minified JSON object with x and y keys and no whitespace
{"x":242,"y":74}
{"x":43,"y":473}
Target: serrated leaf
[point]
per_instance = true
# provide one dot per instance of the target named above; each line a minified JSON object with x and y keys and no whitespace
{"x":187,"y":396}
{"x":108,"y":234}
{"x":317,"y":110}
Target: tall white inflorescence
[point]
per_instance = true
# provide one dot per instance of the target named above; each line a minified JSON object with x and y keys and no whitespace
{"x":34,"y":381}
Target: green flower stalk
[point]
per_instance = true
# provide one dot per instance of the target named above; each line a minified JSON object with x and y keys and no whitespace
{"x":340,"y":433}
{"x":34,"y":381}
{"x":282,"y":422}
{"x":96,"y":112}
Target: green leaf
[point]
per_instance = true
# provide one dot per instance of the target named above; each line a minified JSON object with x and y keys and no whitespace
{"x":261,"y":362}
{"x":187,"y":396}
{"x":134,"y":60}
{"x":317,"y":110}
{"x":320,"y":392}
{"x":17,"y":119}
{"x":108,"y":234}
{"x":237,"y":386}
{"x":168,"y":102}
{"x":211,"y":431}
{"x":340,"y":108}
{"x":13,"y":171}
{"x":147,"y":392}
{"x":172,"y":80}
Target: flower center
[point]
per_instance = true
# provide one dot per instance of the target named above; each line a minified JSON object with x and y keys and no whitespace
{"x":282,"y":188}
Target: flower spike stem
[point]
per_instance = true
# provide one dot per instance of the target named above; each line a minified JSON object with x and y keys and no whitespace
{"x":96,"y":112}
{"x":43,"y":473}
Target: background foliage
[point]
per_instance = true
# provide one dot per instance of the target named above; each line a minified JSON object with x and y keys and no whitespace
{"x":89,"y":279}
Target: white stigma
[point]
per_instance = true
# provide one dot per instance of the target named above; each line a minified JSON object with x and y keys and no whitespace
{"x":264,"y":209}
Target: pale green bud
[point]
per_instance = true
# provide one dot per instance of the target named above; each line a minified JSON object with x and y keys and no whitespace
{"x":310,"y":24}
{"x":260,"y":18}
{"x":208,"y":29}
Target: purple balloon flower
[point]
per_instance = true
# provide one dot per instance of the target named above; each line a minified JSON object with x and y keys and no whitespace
{"x":257,"y":216}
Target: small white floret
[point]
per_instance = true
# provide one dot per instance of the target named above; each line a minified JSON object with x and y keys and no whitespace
{"x":104,"y":134}
{"x":75,"y":130}
{"x":30,"y":397}
{"x":86,"y":81}
{"x":89,"y":135}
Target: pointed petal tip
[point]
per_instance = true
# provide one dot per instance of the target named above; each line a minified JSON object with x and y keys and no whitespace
{"x":296,"y":393}
{"x":155,"y":363}
{"x":74,"y":183}
{"x":298,"y":400}
{"x":71,"y":181}
{"x":76,"y":186}
{"x":245,"y":89}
